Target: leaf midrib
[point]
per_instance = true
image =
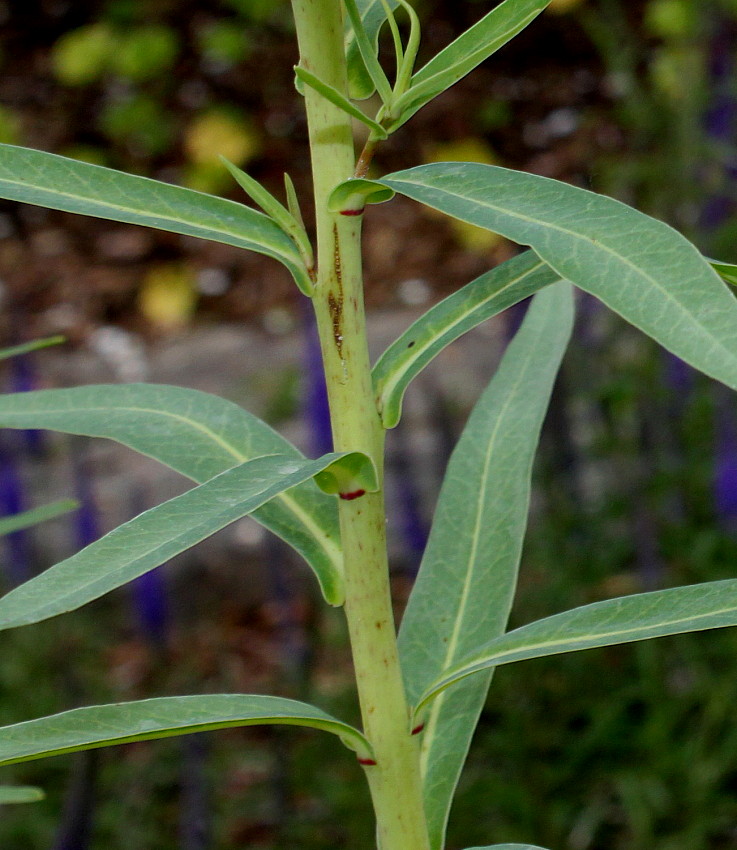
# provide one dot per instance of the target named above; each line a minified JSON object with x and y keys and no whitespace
{"x":471,"y":666}
{"x":331,"y":549}
{"x":158,"y":547}
{"x":389,"y":386}
{"x":430,"y":734}
{"x":572,"y":233}
{"x":424,"y":77}
{"x":163,"y":217}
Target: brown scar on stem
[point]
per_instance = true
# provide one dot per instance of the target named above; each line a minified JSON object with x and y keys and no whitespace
{"x":418,"y":729}
{"x":335,"y":300}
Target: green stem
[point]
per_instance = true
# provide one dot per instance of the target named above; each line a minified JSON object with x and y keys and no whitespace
{"x":338,"y":300}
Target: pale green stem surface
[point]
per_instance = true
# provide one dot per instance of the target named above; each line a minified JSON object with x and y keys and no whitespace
{"x":338,"y":300}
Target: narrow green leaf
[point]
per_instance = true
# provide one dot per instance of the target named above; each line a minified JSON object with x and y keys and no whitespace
{"x":155,"y":536}
{"x":27,"y":347}
{"x":391,"y":19}
{"x":13,"y":794}
{"x":468,"y":51}
{"x":259,"y":195}
{"x":17,"y":522}
{"x":712,"y":605}
{"x":479,"y":300}
{"x":406,"y":63}
{"x":468,"y":576}
{"x":293,"y":201}
{"x":362,"y":45}
{"x":163,"y":717}
{"x":372,"y":14}
{"x":727,"y":271}
{"x":273,"y":208}
{"x":48,"y":180}
{"x":198,"y":435}
{"x":641,"y":268}
{"x":337,"y":99}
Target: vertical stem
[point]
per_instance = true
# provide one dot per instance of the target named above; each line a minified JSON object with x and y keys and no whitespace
{"x":338,"y":301}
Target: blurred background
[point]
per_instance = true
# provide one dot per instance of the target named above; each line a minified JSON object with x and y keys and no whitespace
{"x":635,"y":485}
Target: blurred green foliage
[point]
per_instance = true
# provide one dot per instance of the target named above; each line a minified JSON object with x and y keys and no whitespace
{"x":664,"y":83}
{"x":223,"y":42}
{"x":10,"y":126}
{"x":85,"y":55}
{"x":140,"y":121}
{"x":145,"y":52}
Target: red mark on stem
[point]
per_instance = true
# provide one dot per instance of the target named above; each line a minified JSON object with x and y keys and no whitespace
{"x":368,"y":762}
{"x":351,"y":212}
{"x":354,"y":494}
{"x":418,"y":729}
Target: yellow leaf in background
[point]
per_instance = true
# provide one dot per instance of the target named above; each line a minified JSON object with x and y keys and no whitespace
{"x":471,"y":149}
{"x":674,"y":71}
{"x":210,"y":177}
{"x":672,"y":19}
{"x":168,"y":296}
{"x":10,"y":127}
{"x":560,"y":7}
{"x":86,"y":153}
{"x":217,"y":133}
{"x":475,"y":239}
{"x":83,"y":55}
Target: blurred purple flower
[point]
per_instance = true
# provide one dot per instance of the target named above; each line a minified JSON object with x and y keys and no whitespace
{"x":149,"y":593}
{"x":725,"y":465}
{"x":152,"y":610}
{"x":13,"y":501}
{"x":679,"y":376}
{"x":316,"y":409}
{"x":22,"y":379}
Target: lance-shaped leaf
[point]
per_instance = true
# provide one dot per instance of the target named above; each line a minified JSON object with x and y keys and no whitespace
{"x":157,"y":535}
{"x":468,"y":576}
{"x":27,"y":347}
{"x":48,"y":180}
{"x":293,"y":227}
{"x":197,"y":434}
{"x":27,"y":519}
{"x":479,"y":300}
{"x":508,"y":847}
{"x":712,"y":605}
{"x":640,"y":267}
{"x":464,"y":54}
{"x":163,"y":717}
{"x":337,"y":99}
{"x":13,"y":794}
{"x":372,"y":15}
{"x":727,"y":271}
